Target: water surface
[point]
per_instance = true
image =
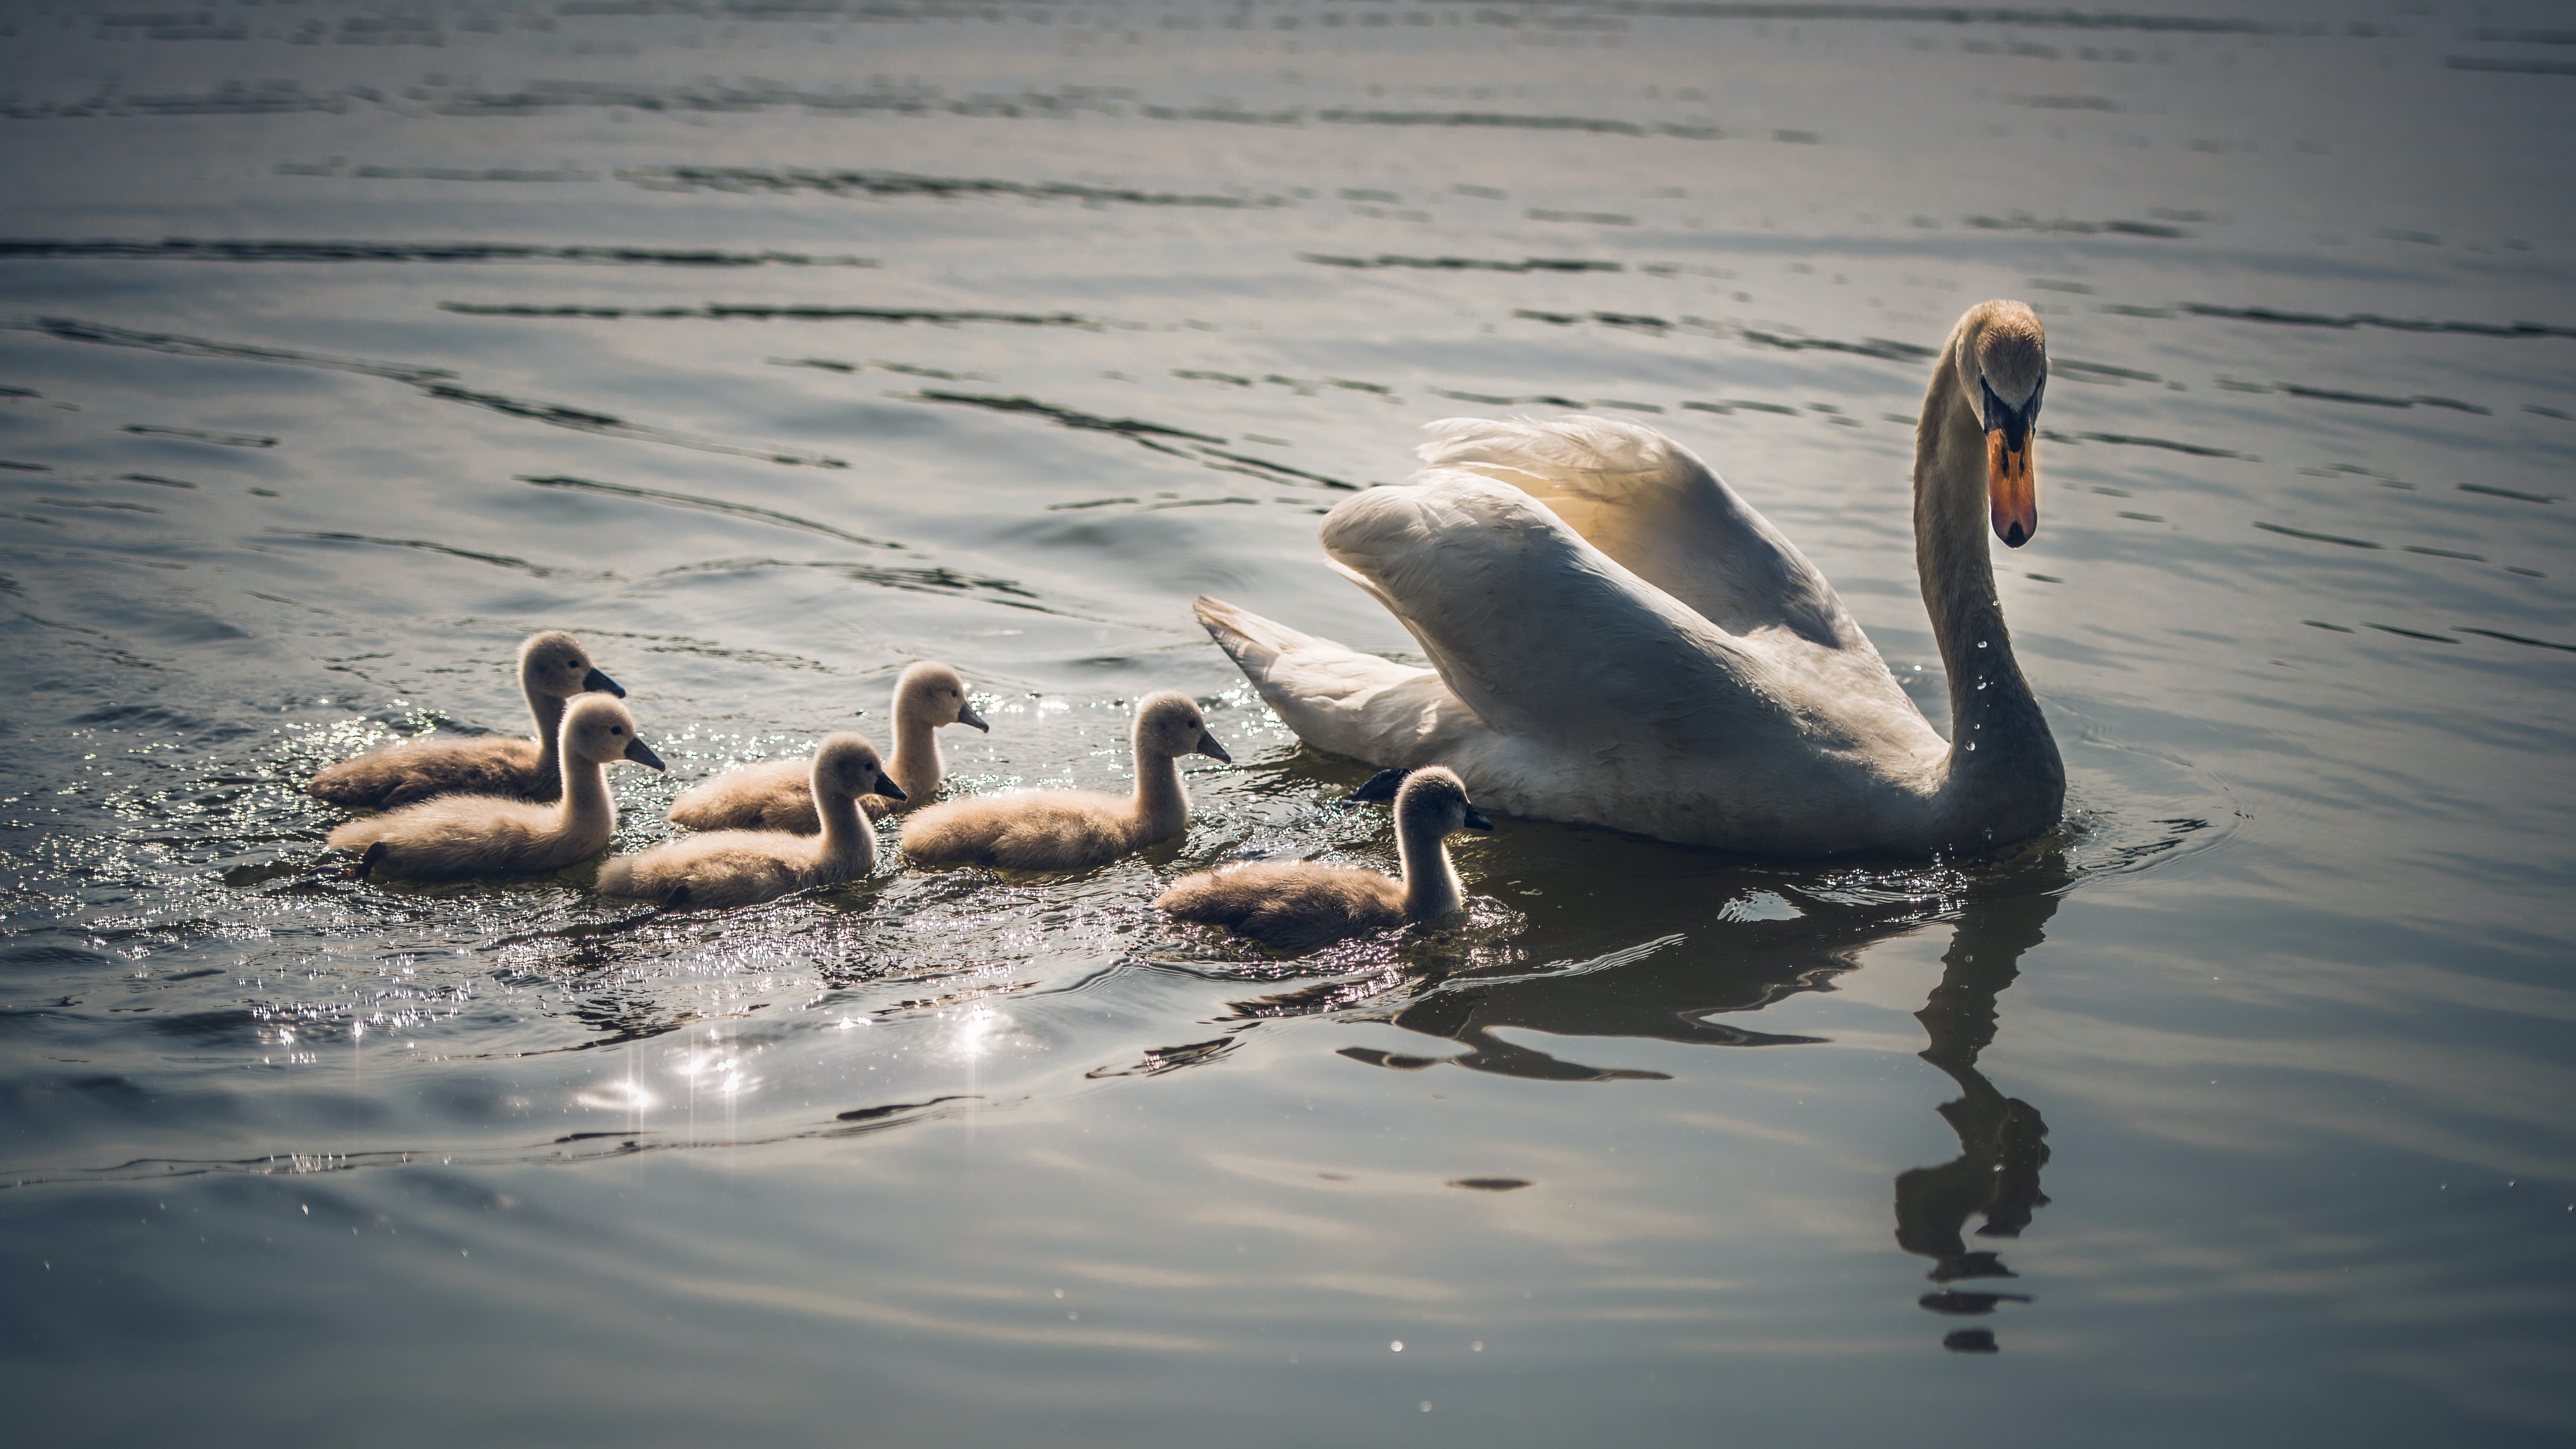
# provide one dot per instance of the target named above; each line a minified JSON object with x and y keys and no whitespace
{"x":770,"y":348}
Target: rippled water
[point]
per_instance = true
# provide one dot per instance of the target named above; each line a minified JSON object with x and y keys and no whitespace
{"x":770,"y":347}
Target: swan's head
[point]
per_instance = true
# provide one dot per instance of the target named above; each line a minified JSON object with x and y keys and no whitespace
{"x":598,"y":729}
{"x":2002,"y":356}
{"x":933,"y":692}
{"x":1170,"y":725}
{"x":554,"y":663}
{"x":847,"y":765}
{"x":1435,"y":795}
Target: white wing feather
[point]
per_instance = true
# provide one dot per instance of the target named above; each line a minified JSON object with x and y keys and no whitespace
{"x":1341,"y":700}
{"x":1650,"y":503}
{"x":1544,"y":636}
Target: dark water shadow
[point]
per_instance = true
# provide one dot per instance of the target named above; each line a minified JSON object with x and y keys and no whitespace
{"x":1674,"y":987}
{"x":2002,"y":1142}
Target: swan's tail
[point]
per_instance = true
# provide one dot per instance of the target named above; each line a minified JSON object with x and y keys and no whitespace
{"x":1336,"y":698}
{"x":1253,"y":642}
{"x":1604,"y":459}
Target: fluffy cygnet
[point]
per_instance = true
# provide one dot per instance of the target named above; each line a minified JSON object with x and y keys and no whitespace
{"x":772,"y":795}
{"x":456,"y":835}
{"x":1297,"y":904}
{"x":553,"y":667}
{"x":741,"y":867}
{"x":1071,"y":829}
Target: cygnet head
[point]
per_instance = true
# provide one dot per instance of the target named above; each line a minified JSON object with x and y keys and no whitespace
{"x":2002,"y":357}
{"x":1169,"y":724}
{"x":934,"y":693}
{"x":598,"y":729}
{"x":1432,"y":794}
{"x":847,"y":765}
{"x":554,"y":663}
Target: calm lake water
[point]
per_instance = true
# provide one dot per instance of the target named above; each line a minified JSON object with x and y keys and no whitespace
{"x":769,"y":347}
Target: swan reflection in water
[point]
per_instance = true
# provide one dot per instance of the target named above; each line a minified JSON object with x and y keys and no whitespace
{"x":2002,"y":1142}
{"x":1654,"y":991}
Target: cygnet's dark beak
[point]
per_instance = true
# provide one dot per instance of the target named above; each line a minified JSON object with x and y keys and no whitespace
{"x":642,"y":753}
{"x":966,"y":715}
{"x":598,"y":683}
{"x":888,"y":788}
{"x":1214,"y":751}
{"x":1476,"y":819}
{"x":1380,"y":786}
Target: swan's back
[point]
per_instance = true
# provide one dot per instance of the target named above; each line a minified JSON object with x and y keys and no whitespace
{"x":1291,"y":904}
{"x":1650,"y":503}
{"x":459,"y":835}
{"x":401,"y":773}
{"x":1026,"y":830}
{"x":718,"y":869}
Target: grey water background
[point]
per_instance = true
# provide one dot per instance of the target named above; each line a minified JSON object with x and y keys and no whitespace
{"x":770,"y":347}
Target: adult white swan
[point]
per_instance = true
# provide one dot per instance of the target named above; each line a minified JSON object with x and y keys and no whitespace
{"x":1617,"y":639}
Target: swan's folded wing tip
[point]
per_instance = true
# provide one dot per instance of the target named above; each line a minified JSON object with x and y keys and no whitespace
{"x":1224,"y":622}
{"x":1252,"y":641}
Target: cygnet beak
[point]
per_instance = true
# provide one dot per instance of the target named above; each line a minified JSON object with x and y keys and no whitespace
{"x":598,"y":683}
{"x":1214,"y":751}
{"x":1476,"y":819}
{"x":966,"y":715}
{"x":642,"y":753}
{"x":888,"y":788}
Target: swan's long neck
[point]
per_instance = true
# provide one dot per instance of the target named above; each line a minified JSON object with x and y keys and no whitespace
{"x":548,"y":711}
{"x":2003,"y":769}
{"x":847,"y":838}
{"x":586,"y":806}
{"x":1162,"y":806}
{"x":1431,"y":887}
{"x":916,"y":765}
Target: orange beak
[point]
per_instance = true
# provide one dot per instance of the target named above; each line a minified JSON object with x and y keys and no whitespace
{"x":2012,"y":488}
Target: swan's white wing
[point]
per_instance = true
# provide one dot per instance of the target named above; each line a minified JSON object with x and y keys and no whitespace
{"x":1341,"y":700}
{"x":1650,"y":503}
{"x":1548,"y":639}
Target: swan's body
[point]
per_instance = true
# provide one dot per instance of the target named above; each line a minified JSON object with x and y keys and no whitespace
{"x":773,"y":794}
{"x":1617,"y":639}
{"x":1074,"y":829}
{"x":742,"y":867}
{"x":461,"y":835}
{"x":1298,"y":904}
{"x":553,"y":667}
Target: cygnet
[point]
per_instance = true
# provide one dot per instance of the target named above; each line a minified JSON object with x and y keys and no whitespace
{"x":1073,"y":829}
{"x":1298,"y":904}
{"x":458,"y":835}
{"x":741,"y":867}
{"x":772,"y":795}
{"x":553,"y":667}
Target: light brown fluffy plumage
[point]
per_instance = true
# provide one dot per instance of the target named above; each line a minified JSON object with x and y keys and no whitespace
{"x":1297,"y":905}
{"x":1289,"y":904}
{"x":774,"y":794}
{"x":464,"y":835}
{"x":742,"y":867}
{"x":553,"y":667}
{"x":1074,"y":829}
